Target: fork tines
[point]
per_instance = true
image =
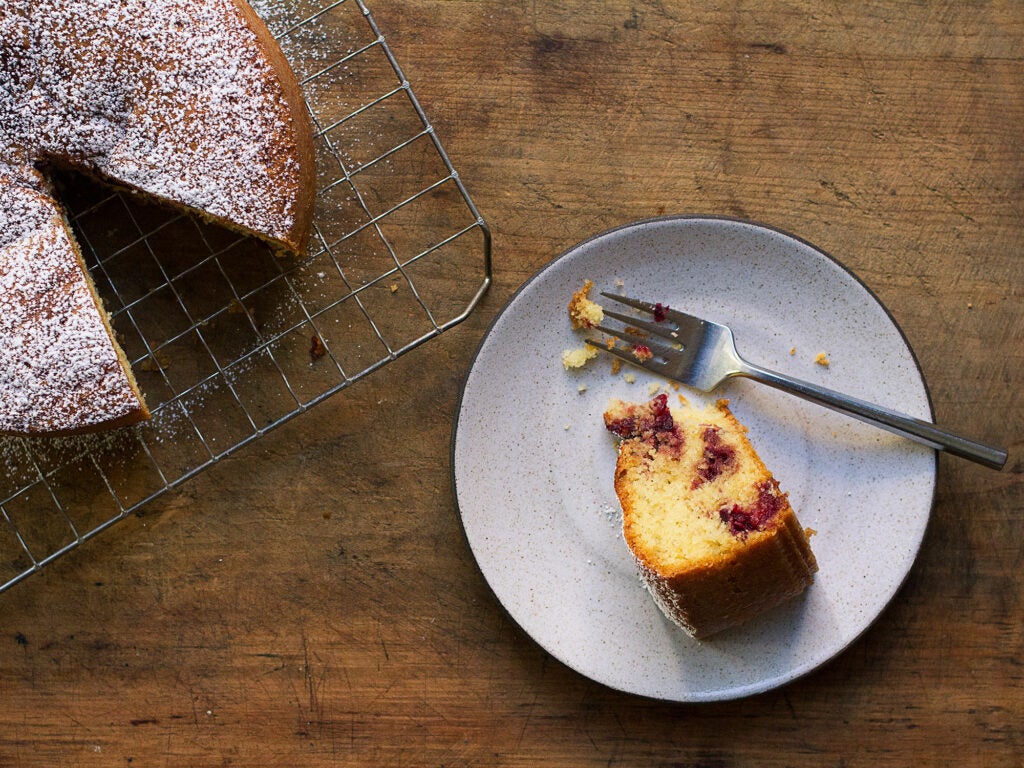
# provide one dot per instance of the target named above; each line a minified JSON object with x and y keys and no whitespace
{"x":638,"y":332}
{"x":663,"y":314}
{"x":665,"y":320}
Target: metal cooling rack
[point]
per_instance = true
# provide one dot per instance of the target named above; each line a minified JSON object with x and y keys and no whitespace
{"x":227,"y":340}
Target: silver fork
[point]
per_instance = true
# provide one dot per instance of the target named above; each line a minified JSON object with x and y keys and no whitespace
{"x":702,"y":354}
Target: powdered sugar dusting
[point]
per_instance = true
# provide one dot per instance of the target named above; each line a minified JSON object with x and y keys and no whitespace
{"x":58,"y":367}
{"x":180,"y":99}
{"x":174,"y":97}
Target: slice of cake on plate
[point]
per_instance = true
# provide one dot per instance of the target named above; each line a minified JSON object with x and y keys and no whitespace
{"x":715,"y":539}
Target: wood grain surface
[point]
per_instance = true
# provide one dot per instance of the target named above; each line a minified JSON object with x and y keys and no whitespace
{"x":312,"y":600}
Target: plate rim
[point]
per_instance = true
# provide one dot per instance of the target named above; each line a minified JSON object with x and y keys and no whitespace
{"x":718,"y":694}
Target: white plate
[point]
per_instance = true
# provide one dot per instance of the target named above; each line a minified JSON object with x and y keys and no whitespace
{"x":532,"y":463}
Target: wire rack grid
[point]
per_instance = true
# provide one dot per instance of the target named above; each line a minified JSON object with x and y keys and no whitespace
{"x":229,"y":340}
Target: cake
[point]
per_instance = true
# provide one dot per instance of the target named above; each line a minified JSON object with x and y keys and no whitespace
{"x":715,"y":539}
{"x":584,"y":312}
{"x":190,"y":102}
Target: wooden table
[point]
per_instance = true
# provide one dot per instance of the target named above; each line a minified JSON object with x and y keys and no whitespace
{"x":312,"y":599}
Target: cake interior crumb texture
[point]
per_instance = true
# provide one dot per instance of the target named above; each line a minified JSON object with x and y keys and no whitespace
{"x":584,"y":312}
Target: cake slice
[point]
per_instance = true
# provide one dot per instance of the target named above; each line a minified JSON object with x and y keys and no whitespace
{"x":61,"y":371}
{"x":715,"y":539}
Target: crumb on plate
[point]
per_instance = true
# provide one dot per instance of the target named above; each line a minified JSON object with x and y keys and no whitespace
{"x":584,"y":313}
{"x":577,"y":358}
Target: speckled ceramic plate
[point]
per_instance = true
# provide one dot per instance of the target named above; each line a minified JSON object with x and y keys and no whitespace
{"x":533,"y":465}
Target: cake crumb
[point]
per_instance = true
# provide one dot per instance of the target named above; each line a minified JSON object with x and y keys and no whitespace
{"x":581,"y":388}
{"x":584,"y":313}
{"x":616,"y":366}
{"x":653,"y":389}
{"x":629,"y":378}
{"x":577,"y":358}
{"x":642,"y":352}
{"x":158,"y":361}
{"x":792,"y":350}
{"x":822,"y":359}
{"x":316,"y":348}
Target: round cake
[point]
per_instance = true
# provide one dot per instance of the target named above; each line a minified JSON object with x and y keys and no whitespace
{"x":188,"y":101}
{"x":715,"y":539}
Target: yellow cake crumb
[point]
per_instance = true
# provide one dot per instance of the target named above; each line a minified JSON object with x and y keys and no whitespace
{"x":822,"y":359}
{"x":792,"y":350}
{"x":577,"y":358}
{"x":584,"y":313}
{"x":629,"y":378}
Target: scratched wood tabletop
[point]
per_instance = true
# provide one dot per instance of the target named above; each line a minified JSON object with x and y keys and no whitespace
{"x":312,"y":600}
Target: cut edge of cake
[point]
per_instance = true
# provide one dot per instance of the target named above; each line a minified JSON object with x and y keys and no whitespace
{"x":134,"y":415}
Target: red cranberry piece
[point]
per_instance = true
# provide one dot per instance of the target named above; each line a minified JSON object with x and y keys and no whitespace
{"x":651,"y":423}
{"x":717,"y":459}
{"x":642,"y":352}
{"x":768,"y":504}
{"x":739,"y":520}
{"x":624,"y":428}
{"x":661,"y":416}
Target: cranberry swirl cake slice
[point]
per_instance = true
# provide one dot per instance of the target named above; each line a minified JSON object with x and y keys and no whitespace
{"x":715,"y":539}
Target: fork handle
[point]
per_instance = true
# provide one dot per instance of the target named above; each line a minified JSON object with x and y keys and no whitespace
{"x":898,"y":423}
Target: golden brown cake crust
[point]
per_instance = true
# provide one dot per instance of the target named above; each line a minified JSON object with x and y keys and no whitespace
{"x":743,"y":550}
{"x":715,"y":596}
{"x":301,"y":149}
